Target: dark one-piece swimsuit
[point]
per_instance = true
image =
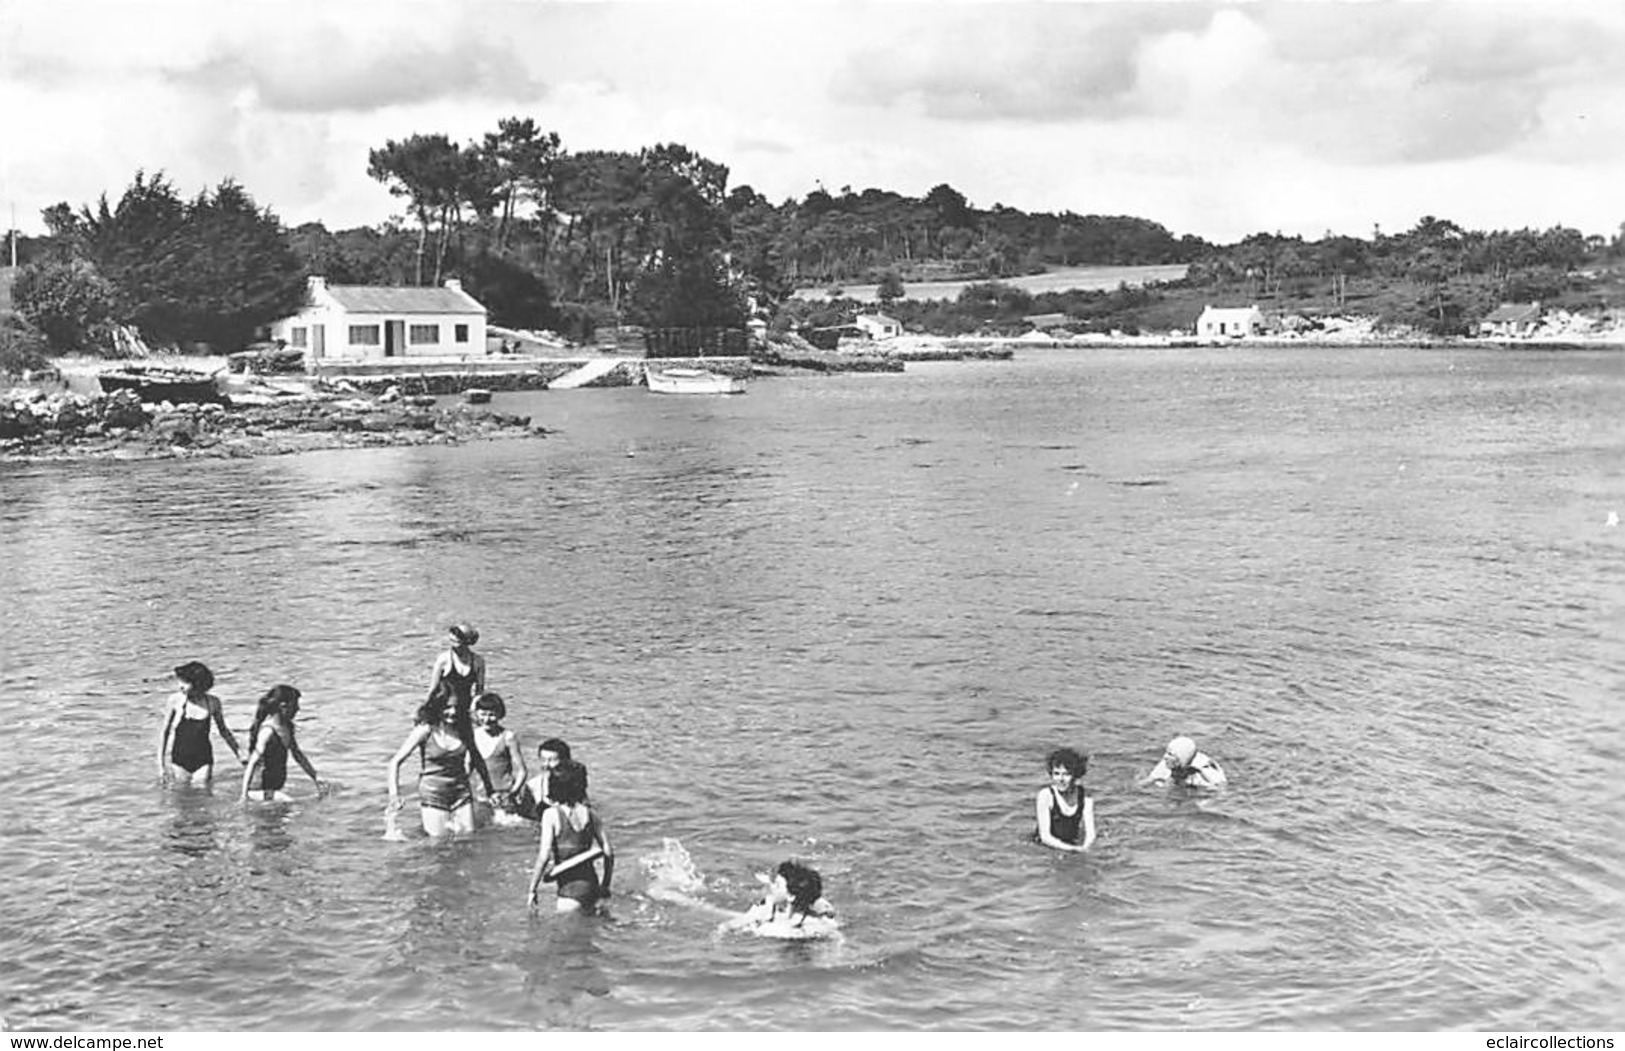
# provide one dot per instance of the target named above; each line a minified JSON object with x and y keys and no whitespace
{"x":191,"y":750}
{"x":443,"y":785}
{"x":461,"y":683}
{"x":273,"y":771}
{"x":579,"y":881}
{"x":1064,"y":826}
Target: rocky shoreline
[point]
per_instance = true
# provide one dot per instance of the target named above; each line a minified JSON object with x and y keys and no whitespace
{"x":36,"y":426}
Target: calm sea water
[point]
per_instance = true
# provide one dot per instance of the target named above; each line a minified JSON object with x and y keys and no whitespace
{"x":844,"y":619}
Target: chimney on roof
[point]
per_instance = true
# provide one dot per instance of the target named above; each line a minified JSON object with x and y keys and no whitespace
{"x":454,"y":284}
{"x":316,"y":282}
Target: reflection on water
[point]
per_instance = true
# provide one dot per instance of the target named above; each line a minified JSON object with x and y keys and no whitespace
{"x":843,"y":619}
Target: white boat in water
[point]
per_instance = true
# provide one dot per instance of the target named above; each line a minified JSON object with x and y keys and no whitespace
{"x":691,"y":381}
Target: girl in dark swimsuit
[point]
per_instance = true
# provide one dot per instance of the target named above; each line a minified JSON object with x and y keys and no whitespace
{"x":1066,"y":813}
{"x":271,"y":741}
{"x":184,"y":749}
{"x":444,"y":739}
{"x":570,"y":830}
{"x":460,"y":667}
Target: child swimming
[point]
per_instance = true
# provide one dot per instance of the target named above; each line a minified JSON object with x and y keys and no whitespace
{"x":793,"y":906}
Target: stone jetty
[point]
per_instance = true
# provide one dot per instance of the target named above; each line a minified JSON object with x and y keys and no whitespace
{"x":36,"y":425}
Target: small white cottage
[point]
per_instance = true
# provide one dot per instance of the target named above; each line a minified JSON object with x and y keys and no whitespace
{"x":1511,"y":320}
{"x":371,"y":322}
{"x":1229,"y":322}
{"x":879,"y":326}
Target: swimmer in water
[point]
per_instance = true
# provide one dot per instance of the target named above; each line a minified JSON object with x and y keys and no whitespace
{"x":444,"y":741}
{"x":537,"y":794}
{"x":793,"y":907}
{"x":270,"y":743}
{"x":499,"y":747}
{"x":184,"y":750}
{"x":459,"y":667}
{"x":1066,"y":813}
{"x":1182,"y":764}
{"x":573,"y":840}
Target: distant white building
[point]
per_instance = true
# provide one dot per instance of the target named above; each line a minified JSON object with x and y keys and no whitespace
{"x":1511,"y":320}
{"x":878,"y":326}
{"x":374,"y":322}
{"x":1229,"y":322}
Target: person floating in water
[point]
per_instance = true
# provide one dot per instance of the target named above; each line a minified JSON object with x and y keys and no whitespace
{"x":460,"y":667}
{"x":1182,"y":764}
{"x":573,"y":839}
{"x":270,"y":742}
{"x":1066,"y":813}
{"x":499,"y":747}
{"x":793,"y":907}
{"x":184,"y":749}
{"x":444,"y":740}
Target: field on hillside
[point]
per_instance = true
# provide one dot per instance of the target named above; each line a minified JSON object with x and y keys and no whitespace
{"x":1087,"y":278}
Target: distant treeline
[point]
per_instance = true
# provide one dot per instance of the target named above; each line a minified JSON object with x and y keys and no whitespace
{"x":547,"y":238}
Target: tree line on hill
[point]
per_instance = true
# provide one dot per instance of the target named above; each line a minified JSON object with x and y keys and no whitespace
{"x":547,"y":238}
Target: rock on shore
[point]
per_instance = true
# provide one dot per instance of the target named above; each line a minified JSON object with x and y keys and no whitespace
{"x":35,"y":425}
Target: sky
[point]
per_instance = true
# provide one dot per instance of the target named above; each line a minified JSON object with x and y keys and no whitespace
{"x":1213,"y":119}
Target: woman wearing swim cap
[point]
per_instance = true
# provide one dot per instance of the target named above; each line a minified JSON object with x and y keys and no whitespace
{"x":1183,"y":764}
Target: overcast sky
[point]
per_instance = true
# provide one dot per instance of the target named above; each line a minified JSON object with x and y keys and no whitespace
{"x":1218,"y":120}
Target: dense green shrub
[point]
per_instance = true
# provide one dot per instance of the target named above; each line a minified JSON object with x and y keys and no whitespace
{"x":68,"y":301}
{"x":22,"y":347}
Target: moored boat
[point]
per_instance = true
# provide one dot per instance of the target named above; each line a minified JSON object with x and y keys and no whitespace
{"x":692,"y":381}
{"x":156,"y":383}
{"x":477,"y":395}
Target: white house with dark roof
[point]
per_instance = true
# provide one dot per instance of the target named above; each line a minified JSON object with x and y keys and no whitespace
{"x":1511,"y":320}
{"x":879,"y":326}
{"x":1229,"y":322}
{"x":373,"y":322}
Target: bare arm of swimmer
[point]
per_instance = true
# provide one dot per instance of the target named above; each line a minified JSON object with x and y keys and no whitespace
{"x":256,"y":759}
{"x":163,"y":740}
{"x":218,"y":710}
{"x":609,"y":853}
{"x":414,"y":738}
{"x":1088,"y":822}
{"x":517,"y":754}
{"x":544,"y":856}
{"x":299,"y":757}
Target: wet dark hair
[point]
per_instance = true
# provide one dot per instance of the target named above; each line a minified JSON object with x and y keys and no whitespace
{"x":277,"y":701}
{"x":434,"y":707}
{"x":492,"y":701}
{"x":557,"y":747}
{"x":195,"y":674}
{"x":1075,"y":763}
{"x":568,"y":783}
{"x":803,"y":883}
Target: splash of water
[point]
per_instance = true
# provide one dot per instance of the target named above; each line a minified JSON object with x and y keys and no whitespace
{"x":671,"y":871}
{"x":392,"y":825}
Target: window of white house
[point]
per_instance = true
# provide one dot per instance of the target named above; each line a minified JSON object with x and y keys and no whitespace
{"x":364,"y":335}
{"x":297,"y":336}
{"x":462,"y":333}
{"x":424,"y":334}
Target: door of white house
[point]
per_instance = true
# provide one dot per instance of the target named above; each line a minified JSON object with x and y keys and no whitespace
{"x":394,"y":338}
{"x":318,"y":341}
